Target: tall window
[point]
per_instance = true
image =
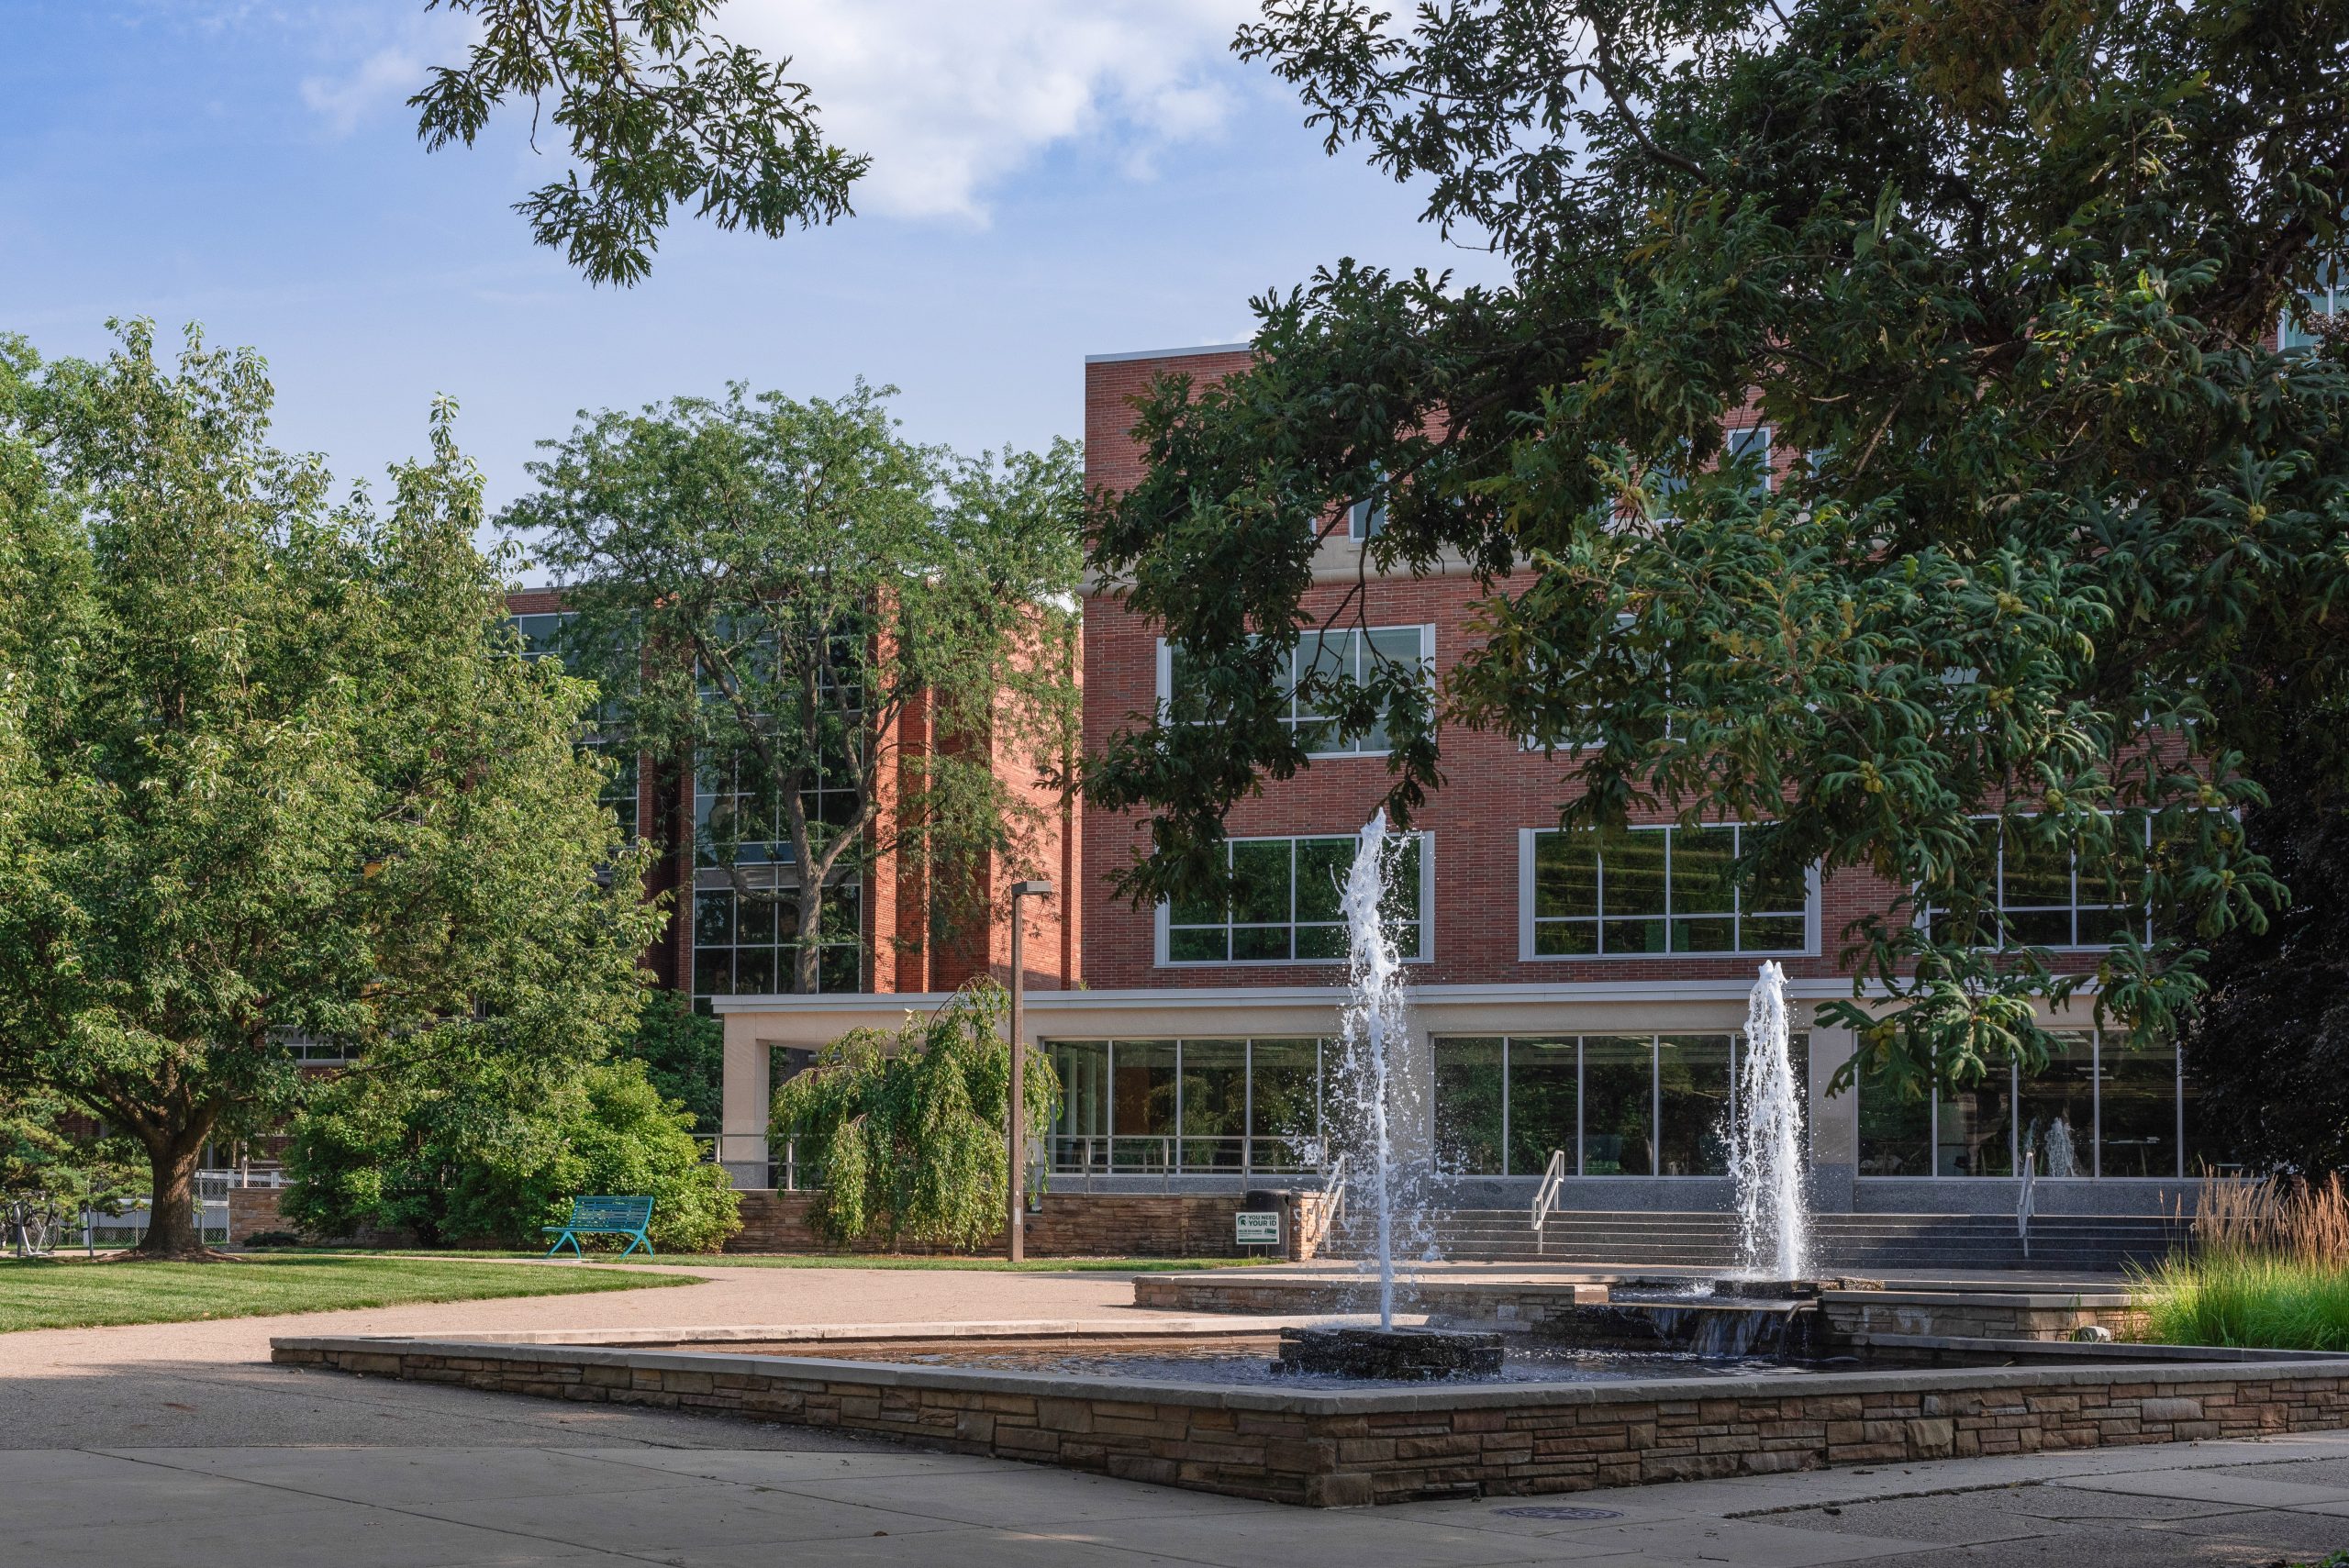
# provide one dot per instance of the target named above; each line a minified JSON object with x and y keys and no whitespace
{"x":1365,"y":518}
{"x":2097,"y":1106}
{"x":1620,"y":1105}
{"x":744,"y":945}
{"x":1285,"y":910}
{"x":2049,"y":895}
{"x":1755,"y":442}
{"x":2324,"y":301}
{"x":1649,"y":891}
{"x":542,"y":634}
{"x":1351,"y":654}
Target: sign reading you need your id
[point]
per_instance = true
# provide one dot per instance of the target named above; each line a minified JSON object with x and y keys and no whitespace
{"x":1260,"y":1228}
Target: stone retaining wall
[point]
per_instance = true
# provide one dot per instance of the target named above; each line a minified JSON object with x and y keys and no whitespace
{"x":1467,"y":1300}
{"x":1345,"y":1449}
{"x":2017,"y":1315}
{"x":1068,"y":1225}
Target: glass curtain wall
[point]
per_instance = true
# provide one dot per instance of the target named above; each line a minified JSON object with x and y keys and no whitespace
{"x":2097,"y":1107}
{"x":1199,"y":1106}
{"x":1603,"y":1105}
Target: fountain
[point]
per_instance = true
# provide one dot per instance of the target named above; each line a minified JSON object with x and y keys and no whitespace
{"x":1383,"y":1101}
{"x":1765,"y":1146}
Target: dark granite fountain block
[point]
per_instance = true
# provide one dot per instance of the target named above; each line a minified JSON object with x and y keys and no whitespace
{"x":1405,"y":1355}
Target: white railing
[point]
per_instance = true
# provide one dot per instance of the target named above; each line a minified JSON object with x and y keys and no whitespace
{"x":1545,"y":1198}
{"x":1333,"y":1197}
{"x":2027,"y":1200}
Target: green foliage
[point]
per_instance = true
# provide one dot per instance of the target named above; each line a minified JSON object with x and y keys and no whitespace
{"x":910,"y":1129}
{"x":683,"y":1053}
{"x":659,"y":113}
{"x":270,"y":769}
{"x":495,"y":1150}
{"x":2065,"y":544}
{"x":867,"y":638}
{"x":47,"y":1147}
{"x":2266,"y":1300}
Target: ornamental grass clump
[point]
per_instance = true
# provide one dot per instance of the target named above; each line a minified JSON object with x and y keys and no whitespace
{"x":908,"y":1131}
{"x":2268,"y":1267}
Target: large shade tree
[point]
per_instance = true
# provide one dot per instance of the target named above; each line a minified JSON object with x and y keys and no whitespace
{"x":2065,"y":545}
{"x":272,"y":768}
{"x":864,"y":646}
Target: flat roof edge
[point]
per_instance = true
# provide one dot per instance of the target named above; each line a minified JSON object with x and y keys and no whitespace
{"x":1168,"y":353}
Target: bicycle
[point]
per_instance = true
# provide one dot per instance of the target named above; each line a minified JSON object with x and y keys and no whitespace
{"x":35,"y":1220}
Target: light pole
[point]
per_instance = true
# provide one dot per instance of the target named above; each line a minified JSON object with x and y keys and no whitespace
{"x":1019,"y":890}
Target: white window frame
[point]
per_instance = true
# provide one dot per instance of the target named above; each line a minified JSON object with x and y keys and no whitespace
{"x":1165,"y":679}
{"x":1925,"y":909}
{"x":1749,"y":433}
{"x":1528,"y":837}
{"x":1160,"y":916}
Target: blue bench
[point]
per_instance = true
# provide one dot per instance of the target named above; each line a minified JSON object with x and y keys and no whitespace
{"x":605,"y":1216}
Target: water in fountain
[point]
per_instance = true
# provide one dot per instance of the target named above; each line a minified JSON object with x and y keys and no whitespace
{"x":1765,"y":1146}
{"x":1373,"y":1076}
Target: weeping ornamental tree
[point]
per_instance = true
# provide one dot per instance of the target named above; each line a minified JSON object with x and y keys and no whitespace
{"x":270,"y":769}
{"x":2064,"y":545}
{"x":909,"y":1130}
{"x":864,"y":645}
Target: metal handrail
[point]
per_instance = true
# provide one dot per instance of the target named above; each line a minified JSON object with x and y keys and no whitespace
{"x":1333,"y":1195}
{"x":1545,"y":1198}
{"x":2027,"y":1201}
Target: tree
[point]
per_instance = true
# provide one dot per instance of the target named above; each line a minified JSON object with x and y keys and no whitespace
{"x":48,"y":1149}
{"x":270,"y":769}
{"x":2064,"y":546}
{"x":497,"y":1148}
{"x":658,"y":110}
{"x":845,"y":631}
{"x":683,"y":1054}
{"x":910,"y":1130}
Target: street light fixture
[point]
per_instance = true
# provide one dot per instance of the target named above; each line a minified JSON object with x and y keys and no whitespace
{"x":1019,"y":890}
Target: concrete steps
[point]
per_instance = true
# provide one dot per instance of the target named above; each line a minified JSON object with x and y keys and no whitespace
{"x":1855,"y":1242}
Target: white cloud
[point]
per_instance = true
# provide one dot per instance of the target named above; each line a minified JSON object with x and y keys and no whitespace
{"x":949,"y":96}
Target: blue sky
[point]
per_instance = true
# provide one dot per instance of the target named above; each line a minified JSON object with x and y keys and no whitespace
{"x":1052,"y":178}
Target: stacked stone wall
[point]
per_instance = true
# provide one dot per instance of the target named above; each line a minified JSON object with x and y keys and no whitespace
{"x":1068,"y":1225}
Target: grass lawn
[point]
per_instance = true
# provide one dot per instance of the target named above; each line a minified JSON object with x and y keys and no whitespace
{"x":891,"y":1261}
{"x":43,"y":1293}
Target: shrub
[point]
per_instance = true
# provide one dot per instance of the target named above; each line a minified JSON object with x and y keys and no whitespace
{"x":268,"y":1238}
{"x":497,"y":1152}
{"x":2268,"y":1268}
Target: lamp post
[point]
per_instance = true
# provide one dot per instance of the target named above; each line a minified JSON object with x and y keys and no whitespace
{"x":1019,"y":890}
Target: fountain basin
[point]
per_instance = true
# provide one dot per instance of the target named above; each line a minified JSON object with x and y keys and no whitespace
{"x":1296,"y":1442}
{"x":1399,"y":1355}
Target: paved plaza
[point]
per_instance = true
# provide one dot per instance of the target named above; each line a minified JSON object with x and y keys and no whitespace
{"x":180,"y":1446}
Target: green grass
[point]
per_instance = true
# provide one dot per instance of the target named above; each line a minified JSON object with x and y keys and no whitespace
{"x":59,"y":1294}
{"x":856,"y":1261}
{"x":2247,"y":1300}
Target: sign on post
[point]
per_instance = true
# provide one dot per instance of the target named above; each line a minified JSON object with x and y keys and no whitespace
{"x":1257,"y":1228}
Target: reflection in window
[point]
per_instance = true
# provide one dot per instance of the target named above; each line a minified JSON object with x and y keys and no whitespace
{"x":1692,"y":1074}
{"x":1468,"y":1107}
{"x":2098,"y":1108}
{"x":1337,"y":657}
{"x":1200,"y":1106}
{"x":1285,"y":906}
{"x":1544,"y":1104}
{"x":744,"y":943}
{"x":1659,"y":890}
{"x":2046,"y":895}
{"x":1619,"y":1107}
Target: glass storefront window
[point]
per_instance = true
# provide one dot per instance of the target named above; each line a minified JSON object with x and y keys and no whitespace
{"x":1284,"y":1104}
{"x":1895,"y":1129}
{"x":2136,"y":1108}
{"x":1619,"y":1106}
{"x":2055,"y":1110}
{"x":1693,"y":1097}
{"x":1080,"y":1133}
{"x":1215,"y":1103}
{"x":1141,"y":1105}
{"x":1469,"y":1092}
{"x":1544,"y":1104}
{"x":1973,"y":1128}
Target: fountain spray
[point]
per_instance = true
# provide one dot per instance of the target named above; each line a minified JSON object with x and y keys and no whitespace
{"x":1765,"y":1146}
{"x":1374,"y":1033}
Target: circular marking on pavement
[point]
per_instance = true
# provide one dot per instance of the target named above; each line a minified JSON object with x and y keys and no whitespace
{"x":1560,"y":1513}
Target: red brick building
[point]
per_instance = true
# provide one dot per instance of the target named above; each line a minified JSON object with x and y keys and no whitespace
{"x":1568,"y":1004}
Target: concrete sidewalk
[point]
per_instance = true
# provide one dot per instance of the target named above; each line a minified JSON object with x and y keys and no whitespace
{"x":592,"y":1505}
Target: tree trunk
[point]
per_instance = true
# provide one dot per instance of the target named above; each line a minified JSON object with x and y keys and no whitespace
{"x":174,"y":1227}
{"x":804,"y":970}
